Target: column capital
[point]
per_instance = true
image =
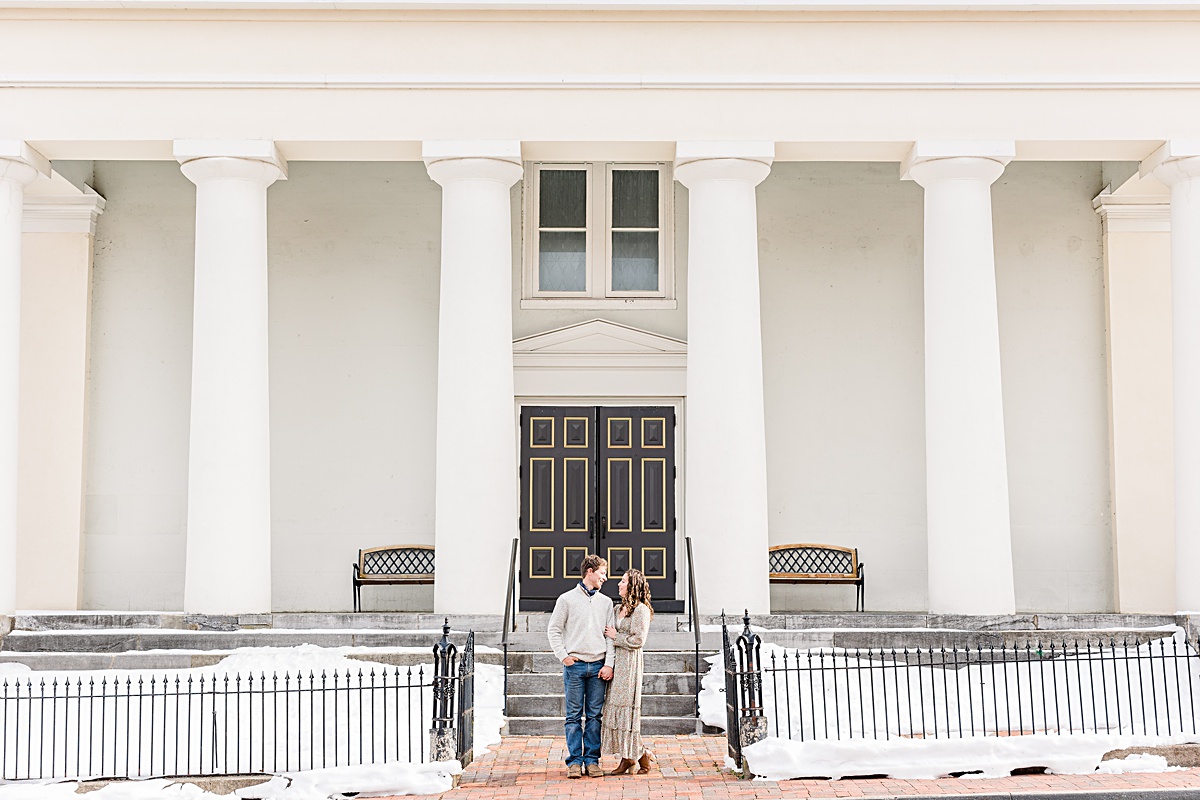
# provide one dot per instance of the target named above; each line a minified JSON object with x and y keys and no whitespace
{"x":1175,"y":161}
{"x":950,"y":160}
{"x":451,"y":161}
{"x":746,"y":161}
{"x":1133,"y":213}
{"x":20,"y":162}
{"x":252,"y":160}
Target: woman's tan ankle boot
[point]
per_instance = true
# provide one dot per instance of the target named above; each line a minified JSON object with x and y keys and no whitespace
{"x":625,"y":765}
{"x":645,"y":761}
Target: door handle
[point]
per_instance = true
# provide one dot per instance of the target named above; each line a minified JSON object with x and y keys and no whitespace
{"x":603,"y":527}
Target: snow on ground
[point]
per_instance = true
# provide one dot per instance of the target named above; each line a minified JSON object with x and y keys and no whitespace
{"x":875,"y":716}
{"x":910,"y":759}
{"x":271,"y":663}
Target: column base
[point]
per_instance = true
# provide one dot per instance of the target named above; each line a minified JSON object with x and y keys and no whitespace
{"x":443,"y":744}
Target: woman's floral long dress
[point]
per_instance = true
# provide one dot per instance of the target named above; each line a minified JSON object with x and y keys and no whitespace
{"x":622,"y":727}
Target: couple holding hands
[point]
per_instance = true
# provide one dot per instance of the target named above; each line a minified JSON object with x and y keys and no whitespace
{"x":599,"y":646}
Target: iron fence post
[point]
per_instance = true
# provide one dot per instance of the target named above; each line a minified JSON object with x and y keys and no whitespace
{"x":443,"y":738}
{"x":752,"y":726}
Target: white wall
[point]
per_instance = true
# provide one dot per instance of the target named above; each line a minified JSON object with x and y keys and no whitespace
{"x":841,"y":258}
{"x":1050,"y":290}
{"x":840,"y":261}
{"x":353,"y":332}
{"x":135,"y":505}
{"x":354,"y":271}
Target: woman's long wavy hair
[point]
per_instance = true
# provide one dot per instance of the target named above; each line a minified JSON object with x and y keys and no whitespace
{"x":637,"y":591}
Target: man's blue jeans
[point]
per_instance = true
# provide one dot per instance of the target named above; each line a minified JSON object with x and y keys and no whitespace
{"x":585,"y":697}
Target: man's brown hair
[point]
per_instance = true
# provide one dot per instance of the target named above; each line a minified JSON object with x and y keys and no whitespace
{"x":591,"y":562}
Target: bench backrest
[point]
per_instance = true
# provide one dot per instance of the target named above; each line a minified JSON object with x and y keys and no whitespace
{"x":413,"y":559}
{"x":817,"y":560}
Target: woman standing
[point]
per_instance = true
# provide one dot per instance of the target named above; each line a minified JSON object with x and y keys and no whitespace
{"x":622,"y":732}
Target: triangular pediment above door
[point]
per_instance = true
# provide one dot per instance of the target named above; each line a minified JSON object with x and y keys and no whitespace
{"x":599,"y":336}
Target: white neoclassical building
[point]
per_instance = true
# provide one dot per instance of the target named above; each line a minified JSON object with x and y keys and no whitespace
{"x":284,"y":280}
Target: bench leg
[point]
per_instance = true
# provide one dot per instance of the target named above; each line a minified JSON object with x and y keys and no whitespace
{"x":862,"y":597}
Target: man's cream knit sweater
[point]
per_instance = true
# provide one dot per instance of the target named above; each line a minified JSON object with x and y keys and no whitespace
{"x":577,"y":626}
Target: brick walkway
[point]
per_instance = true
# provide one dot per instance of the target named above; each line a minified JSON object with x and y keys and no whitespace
{"x":691,"y":768}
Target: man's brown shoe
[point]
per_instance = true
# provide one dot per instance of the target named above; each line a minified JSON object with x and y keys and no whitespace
{"x":574,"y":771}
{"x":594,"y":771}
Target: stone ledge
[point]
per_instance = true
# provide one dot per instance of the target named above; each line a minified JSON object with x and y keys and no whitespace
{"x":1177,"y":755}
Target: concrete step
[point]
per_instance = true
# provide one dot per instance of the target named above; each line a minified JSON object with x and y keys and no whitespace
{"x":675,"y":645}
{"x":661,"y":662}
{"x":952,"y":639}
{"x":93,"y":620}
{"x":653,"y":705}
{"x":1025,"y":622}
{"x":660,"y":623}
{"x":651,"y":726}
{"x":664,"y":640}
{"x":652,"y":683}
{"x":120,"y":640}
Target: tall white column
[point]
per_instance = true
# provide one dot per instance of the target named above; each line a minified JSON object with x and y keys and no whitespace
{"x":476,"y":473}
{"x":969,"y":536}
{"x":228,"y":567}
{"x":19,"y":166}
{"x":1177,"y":164}
{"x":726,"y":454}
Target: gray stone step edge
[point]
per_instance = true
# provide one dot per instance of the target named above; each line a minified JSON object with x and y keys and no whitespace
{"x":533,"y":622}
{"x":651,"y":726}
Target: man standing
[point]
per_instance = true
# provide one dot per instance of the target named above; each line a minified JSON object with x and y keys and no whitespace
{"x":576,"y":634}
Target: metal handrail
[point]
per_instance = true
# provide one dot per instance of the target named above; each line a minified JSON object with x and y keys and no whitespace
{"x":510,"y":612}
{"x":694,"y":625}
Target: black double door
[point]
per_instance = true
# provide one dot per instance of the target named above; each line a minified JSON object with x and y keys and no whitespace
{"x":597,"y":480}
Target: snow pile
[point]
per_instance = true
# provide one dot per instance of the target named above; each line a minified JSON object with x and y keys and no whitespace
{"x":712,"y":693}
{"x":911,"y":759}
{"x":380,"y":780}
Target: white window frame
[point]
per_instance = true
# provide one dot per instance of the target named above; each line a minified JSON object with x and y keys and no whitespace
{"x":598,"y":240}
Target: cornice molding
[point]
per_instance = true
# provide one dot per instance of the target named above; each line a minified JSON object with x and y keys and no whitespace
{"x":1133,"y":213}
{"x":93,"y":80}
{"x":73,"y":214}
{"x":612,"y":5}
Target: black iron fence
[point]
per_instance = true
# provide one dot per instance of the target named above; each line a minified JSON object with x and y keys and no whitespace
{"x":223,"y":724}
{"x":1051,"y":688}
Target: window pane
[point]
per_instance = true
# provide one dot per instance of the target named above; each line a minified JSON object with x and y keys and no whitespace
{"x":635,"y":198}
{"x":562,"y":198}
{"x":635,"y":261}
{"x":562,"y":261}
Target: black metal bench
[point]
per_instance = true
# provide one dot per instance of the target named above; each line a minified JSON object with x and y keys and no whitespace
{"x":818,"y":563}
{"x":396,"y":564}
